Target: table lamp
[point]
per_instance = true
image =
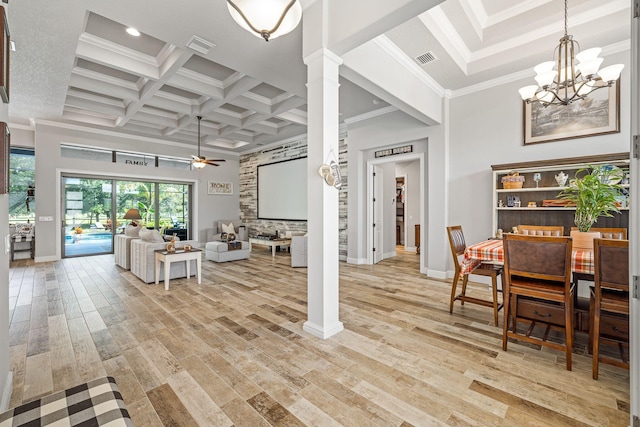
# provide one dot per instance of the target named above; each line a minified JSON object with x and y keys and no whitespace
{"x":133,"y":215}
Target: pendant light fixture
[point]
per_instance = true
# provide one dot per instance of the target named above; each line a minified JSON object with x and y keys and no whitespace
{"x":570,"y":82}
{"x":266,"y":18}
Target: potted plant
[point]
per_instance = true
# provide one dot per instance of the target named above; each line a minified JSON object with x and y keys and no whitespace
{"x":593,"y":192}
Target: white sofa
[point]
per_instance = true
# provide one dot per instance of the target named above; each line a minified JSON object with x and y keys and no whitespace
{"x":143,"y":260}
{"x":122,"y":250}
{"x":298,"y":250}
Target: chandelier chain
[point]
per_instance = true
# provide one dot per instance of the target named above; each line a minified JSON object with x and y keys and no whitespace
{"x":566,"y":13}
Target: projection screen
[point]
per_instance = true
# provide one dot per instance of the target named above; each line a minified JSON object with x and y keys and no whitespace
{"x":282,"y":190}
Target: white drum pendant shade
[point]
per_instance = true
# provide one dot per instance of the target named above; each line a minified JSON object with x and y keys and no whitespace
{"x":264,"y":15}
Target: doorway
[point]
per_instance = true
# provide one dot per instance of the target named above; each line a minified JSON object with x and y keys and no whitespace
{"x":388,"y":239}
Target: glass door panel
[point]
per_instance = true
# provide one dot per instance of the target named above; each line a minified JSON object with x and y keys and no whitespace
{"x":87,"y":216}
{"x":135,"y":195}
{"x":173,"y":215}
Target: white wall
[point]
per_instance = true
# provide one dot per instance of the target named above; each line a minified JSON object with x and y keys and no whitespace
{"x":50,"y":164}
{"x":5,"y":377}
{"x":485,"y":132}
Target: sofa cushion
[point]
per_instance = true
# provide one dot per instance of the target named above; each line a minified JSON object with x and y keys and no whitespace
{"x":216,"y":247}
{"x":151,"y":235}
{"x":228,"y":228}
{"x":132,"y":231}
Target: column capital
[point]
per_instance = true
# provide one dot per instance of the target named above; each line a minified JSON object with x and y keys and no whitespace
{"x":322,"y":53}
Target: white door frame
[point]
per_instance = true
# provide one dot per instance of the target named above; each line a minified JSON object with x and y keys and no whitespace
{"x":369,"y":204}
{"x":634,"y":226}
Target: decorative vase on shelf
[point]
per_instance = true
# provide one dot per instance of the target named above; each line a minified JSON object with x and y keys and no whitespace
{"x":561,"y":179}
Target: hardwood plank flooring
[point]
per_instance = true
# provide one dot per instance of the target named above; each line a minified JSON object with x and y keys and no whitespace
{"x":232,"y":352}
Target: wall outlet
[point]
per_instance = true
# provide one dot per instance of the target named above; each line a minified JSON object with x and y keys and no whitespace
{"x":45,"y":218}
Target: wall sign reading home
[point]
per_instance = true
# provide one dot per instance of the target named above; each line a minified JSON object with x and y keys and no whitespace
{"x":220,"y":188}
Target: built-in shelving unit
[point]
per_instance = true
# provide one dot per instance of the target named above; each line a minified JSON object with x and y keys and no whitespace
{"x":506,"y":217}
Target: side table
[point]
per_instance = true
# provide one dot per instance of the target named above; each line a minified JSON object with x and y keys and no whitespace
{"x":167,"y":258}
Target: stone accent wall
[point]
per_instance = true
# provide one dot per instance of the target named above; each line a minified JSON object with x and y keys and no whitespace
{"x":248,"y":192}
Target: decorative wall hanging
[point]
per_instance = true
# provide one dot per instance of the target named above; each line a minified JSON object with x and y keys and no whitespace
{"x":224,"y":188}
{"x":330,"y":171}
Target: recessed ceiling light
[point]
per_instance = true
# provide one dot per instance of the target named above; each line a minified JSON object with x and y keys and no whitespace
{"x":132,"y":31}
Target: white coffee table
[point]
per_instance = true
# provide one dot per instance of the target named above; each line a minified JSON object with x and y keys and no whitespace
{"x":180,"y":255}
{"x":273,"y":244}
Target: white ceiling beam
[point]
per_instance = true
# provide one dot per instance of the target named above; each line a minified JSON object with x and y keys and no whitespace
{"x":103,"y":52}
{"x":89,"y":105}
{"x":294,"y":117}
{"x":108,"y":89}
{"x":401,"y":82}
{"x":352,"y":23}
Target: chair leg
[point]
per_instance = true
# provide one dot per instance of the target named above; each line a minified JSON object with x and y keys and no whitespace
{"x":591,"y":316}
{"x":494,"y":288}
{"x":568,"y":330}
{"x":596,"y":342}
{"x":506,"y":308}
{"x":454,"y":286}
{"x":465,"y":280}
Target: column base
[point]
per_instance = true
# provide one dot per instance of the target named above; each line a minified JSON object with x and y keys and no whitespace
{"x":321,"y":332}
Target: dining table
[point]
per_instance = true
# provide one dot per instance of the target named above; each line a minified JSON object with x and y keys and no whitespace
{"x":492,"y":251}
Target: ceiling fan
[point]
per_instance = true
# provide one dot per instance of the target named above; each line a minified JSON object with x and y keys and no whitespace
{"x":199,"y":161}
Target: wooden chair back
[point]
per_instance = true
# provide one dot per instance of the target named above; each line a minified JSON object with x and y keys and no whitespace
{"x":611,"y":258}
{"x":538,"y":257}
{"x":457,"y":244}
{"x":609,"y":233}
{"x":541,"y":230}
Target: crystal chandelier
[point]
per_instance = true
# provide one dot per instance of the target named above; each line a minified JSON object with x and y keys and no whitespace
{"x":569,"y":81}
{"x":266,"y":18}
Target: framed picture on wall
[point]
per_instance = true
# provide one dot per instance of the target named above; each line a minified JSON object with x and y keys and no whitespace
{"x":5,"y":49}
{"x":4,"y":158}
{"x":597,"y":114}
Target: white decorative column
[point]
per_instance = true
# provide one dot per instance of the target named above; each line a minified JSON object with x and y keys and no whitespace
{"x":322,"y":200}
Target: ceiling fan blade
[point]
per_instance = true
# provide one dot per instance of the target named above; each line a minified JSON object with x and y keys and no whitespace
{"x":195,"y":157}
{"x":210,"y":162}
{"x":216,"y":160}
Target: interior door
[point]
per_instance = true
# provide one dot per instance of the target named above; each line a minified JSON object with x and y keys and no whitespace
{"x":378,"y":230}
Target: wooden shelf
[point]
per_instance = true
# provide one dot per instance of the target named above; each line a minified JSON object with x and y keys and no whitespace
{"x":508,"y":217}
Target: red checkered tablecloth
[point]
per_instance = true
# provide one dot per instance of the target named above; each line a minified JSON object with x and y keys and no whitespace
{"x":492,"y":251}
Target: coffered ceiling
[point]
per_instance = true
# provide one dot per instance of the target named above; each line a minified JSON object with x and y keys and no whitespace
{"x":75,"y":63}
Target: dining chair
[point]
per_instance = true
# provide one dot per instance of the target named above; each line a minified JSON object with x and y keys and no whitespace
{"x":609,"y":302}
{"x":541,"y":230}
{"x":458,"y":246}
{"x":609,"y":233}
{"x":605,"y":233}
{"x":538,"y":290}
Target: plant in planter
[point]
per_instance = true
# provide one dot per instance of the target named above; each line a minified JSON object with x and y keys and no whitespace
{"x":593,"y":192}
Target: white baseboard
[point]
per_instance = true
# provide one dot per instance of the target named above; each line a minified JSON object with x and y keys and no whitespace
{"x":46,"y":258}
{"x":410,"y":249}
{"x":436,"y":274}
{"x":320,"y":332}
{"x":6,"y":393}
{"x":389,"y":254}
{"x":357,"y":261}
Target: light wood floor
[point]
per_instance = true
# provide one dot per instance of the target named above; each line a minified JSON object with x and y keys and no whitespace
{"x":232,"y":350}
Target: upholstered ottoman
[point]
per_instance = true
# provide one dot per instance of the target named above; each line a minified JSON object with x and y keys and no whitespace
{"x":219,"y":251}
